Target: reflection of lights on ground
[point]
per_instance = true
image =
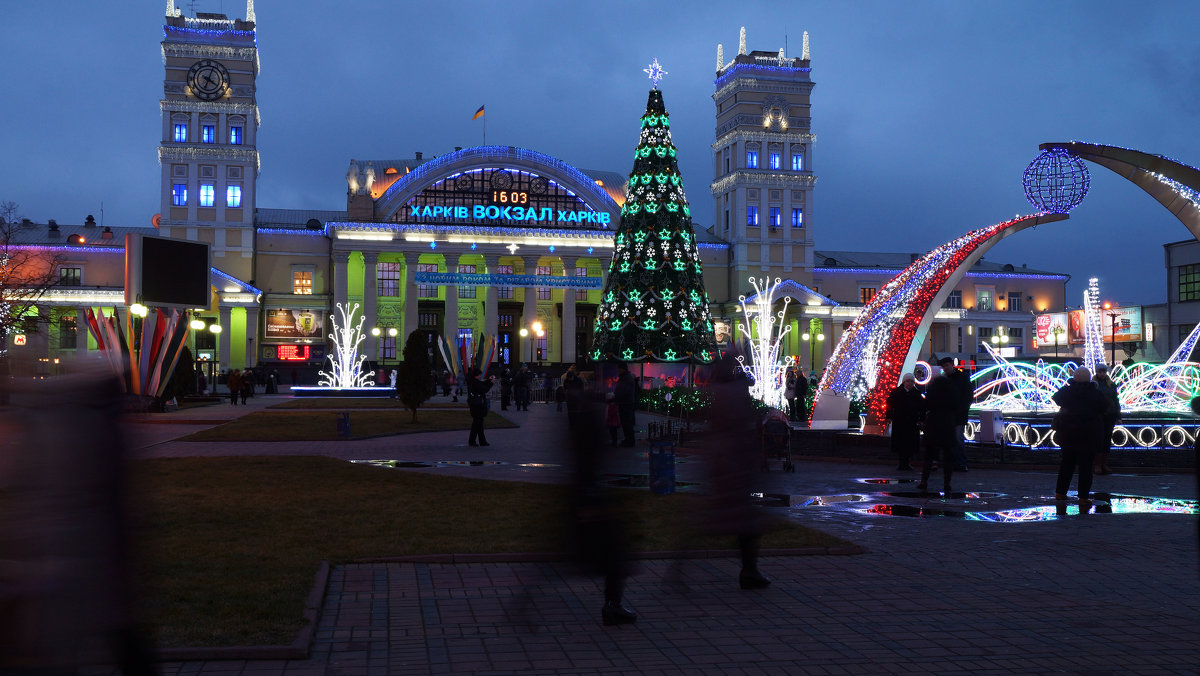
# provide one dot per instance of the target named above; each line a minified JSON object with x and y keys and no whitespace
{"x":1115,"y":504}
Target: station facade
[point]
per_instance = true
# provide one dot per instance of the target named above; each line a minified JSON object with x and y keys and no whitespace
{"x":492,"y":240}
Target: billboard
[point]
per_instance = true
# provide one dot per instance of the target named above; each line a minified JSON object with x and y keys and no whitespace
{"x":1128,"y":323}
{"x":1048,"y":325}
{"x":167,"y":273}
{"x":285,"y":323}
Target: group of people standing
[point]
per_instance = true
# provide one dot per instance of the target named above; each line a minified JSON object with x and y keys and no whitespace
{"x":1089,"y":408}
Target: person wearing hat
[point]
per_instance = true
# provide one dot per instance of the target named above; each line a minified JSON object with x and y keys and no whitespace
{"x":477,"y":403}
{"x":1077,"y":429}
{"x":1112,"y":413}
{"x":906,"y":410}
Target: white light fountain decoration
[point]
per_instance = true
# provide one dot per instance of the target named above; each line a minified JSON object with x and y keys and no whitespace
{"x":1093,"y":343}
{"x":767,"y":370}
{"x":346,"y":362}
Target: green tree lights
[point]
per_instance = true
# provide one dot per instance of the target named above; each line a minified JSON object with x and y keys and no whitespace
{"x":654,"y":307}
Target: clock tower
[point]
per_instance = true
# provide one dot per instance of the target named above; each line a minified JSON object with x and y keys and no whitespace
{"x":209,"y":130}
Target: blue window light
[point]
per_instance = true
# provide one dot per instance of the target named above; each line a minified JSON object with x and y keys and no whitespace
{"x":797,"y":218}
{"x":775,"y":161}
{"x":233,"y":196}
{"x":179,"y":195}
{"x":751,"y":159}
{"x":208,"y":134}
{"x":180,"y":132}
{"x":797,"y":162}
{"x":774,"y":217}
{"x":206,"y":194}
{"x":235,"y":136}
{"x":751,"y":215}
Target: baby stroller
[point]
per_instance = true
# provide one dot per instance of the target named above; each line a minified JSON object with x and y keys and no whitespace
{"x":777,"y":441}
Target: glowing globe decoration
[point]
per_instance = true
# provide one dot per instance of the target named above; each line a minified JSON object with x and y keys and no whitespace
{"x":1056,"y":181}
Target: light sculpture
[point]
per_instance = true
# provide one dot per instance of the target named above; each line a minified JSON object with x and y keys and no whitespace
{"x":764,"y":332}
{"x":346,"y":364}
{"x":1093,"y":342}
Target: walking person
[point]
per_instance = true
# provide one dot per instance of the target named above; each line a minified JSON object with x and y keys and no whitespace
{"x":521,"y":384}
{"x":1077,"y":429}
{"x":789,"y":392}
{"x":247,"y":387}
{"x":573,"y":389}
{"x":625,"y":395}
{"x":234,"y":382}
{"x":506,"y":389}
{"x":906,"y":410}
{"x":965,"y":397}
{"x":1112,"y":414}
{"x":477,"y":403}
{"x":942,"y":404}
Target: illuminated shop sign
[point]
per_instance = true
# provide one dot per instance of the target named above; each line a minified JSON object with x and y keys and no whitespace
{"x":1128,"y":322}
{"x":469,"y":279}
{"x":524,"y":215}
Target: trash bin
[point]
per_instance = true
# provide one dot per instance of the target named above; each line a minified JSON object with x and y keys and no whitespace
{"x":662,"y":468}
{"x":343,"y":424}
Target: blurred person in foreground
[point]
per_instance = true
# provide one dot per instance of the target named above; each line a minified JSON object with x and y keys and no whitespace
{"x":598,"y":531}
{"x":942,"y":408}
{"x":733,"y":468}
{"x":68,"y":596}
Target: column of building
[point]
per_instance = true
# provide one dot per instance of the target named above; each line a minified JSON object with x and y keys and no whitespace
{"x":566,"y":336}
{"x":341,"y":291}
{"x":224,"y":338}
{"x":450,"y":320}
{"x":410,"y":297}
{"x":491,"y":302}
{"x":529,"y":311}
{"x":370,"y":304}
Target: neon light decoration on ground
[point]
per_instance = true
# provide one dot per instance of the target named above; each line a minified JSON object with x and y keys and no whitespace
{"x":764,"y":332}
{"x":346,"y":364}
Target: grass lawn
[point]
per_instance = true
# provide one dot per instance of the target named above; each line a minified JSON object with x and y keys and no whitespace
{"x":232,"y":544}
{"x":351,"y":403}
{"x":322,"y":425}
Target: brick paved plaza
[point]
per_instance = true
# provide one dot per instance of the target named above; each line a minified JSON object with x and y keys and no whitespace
{"x":1092,"y":594}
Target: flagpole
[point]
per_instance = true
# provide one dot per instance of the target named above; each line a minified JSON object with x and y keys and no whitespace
{"x":485,"y":128}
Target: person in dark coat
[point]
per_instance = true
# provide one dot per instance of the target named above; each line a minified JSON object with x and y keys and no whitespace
{"x":506,"y":389}
{"x":477,"y":403}
{"x":625,"y":395}
{"x":942,"y":404}
{"x":1112,"y":413}
{"x":906,"y":410}
{"x":247,"y":384}
{"x":573,"y":389}
{"x":234,"y":382}
{"x":1077,"y":429}
{"x":965,"y":397}
{"x":521,"y":384}
{"x":733,"y":469}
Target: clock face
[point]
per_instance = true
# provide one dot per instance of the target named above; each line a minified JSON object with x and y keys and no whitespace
{"x":208,"y":80}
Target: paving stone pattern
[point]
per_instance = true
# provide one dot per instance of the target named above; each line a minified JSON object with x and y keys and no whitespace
{"x":1089,"y":594}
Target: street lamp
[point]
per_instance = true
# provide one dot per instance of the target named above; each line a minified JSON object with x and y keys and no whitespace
{"x":813,"y":336}
{"x":1057,"y":332}
{"x":1113,"y":344}
{"x":540,"y":333}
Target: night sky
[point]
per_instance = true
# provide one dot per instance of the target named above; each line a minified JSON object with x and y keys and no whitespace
{"x":926,"y":113}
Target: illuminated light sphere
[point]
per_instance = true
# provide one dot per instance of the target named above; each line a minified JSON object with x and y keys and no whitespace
{"x":197,"y":324}
{"x":215,"y":328}
{"x":392,"y":332}
{"x":375,"y":331}
{"x":1056,"y":181}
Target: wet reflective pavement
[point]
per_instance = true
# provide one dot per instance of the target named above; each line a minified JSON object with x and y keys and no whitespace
{"x":1087,"y":591}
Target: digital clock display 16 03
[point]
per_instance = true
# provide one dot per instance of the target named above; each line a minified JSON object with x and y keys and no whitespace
{"x":293,"y":352}
{"x":510,"y":197}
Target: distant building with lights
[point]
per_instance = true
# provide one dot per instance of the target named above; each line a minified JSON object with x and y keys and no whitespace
{"x":485,"y":240}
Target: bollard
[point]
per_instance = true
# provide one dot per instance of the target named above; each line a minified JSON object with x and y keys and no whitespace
{"x":662,"y":467}
{"x":343,"y":424}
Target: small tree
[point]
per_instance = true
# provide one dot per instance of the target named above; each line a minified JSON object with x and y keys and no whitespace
{"x":415,"y":380}
{"x":26,"y":274}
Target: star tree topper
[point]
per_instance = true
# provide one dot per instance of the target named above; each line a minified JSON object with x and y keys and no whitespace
{"x":655,"y":72}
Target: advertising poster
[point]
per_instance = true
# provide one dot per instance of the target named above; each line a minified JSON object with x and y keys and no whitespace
{"x":285,"y":323}
{"x":1046,"y":326}
{"x":1128,"y":325}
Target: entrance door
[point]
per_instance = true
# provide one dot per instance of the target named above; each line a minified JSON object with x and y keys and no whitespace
{"x":506,"y":348}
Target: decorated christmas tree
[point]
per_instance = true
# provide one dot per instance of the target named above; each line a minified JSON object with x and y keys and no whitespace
{"x":654,"y":307}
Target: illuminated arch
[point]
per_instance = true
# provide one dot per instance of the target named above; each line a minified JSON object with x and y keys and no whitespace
{"x":438,"y":169}
{"x":1172,"y":184}
{"x":881,"y":342}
